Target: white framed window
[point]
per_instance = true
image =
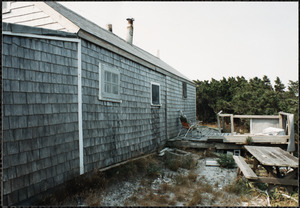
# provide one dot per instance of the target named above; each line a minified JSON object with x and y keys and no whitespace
{"x":6,"y":6}
{"x":109,"y":83}
{"x":155,"y":94}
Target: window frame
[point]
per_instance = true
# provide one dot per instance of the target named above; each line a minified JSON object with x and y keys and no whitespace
{"x":105,"y":96}
{"x":159,"y":94}
{"x":184,"y":90}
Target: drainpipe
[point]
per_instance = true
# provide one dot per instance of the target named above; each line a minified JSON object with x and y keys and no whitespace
{"x":129,"y":36}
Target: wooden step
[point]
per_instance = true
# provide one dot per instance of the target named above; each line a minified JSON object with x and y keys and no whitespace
{"x":244,"y":167}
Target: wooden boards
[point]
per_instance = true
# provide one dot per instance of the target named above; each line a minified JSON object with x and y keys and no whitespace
{"x":278,"y":181}
{"x":273,"y":156}
{"x":244,"y":167}
{"x":242,"y":138}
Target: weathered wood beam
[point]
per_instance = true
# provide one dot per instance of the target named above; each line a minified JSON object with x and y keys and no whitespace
{"x":278,"y":181}
{"x":257,"y":116}
{"x":246,"y":170}
{"x":225,"y":115}
{"x":283,"y":113}
{"x":124,"y":162}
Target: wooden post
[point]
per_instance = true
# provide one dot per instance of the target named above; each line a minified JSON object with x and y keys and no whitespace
{"x":251,"y":127}
{"x":232,"y":124}
{"x":219,"y":125}
{"x":280,"y":121}
{"x":223,"y":123}
{"x":255,"y":163}
{"x":218,"y":120}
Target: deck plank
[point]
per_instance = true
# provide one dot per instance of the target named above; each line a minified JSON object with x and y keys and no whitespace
{"x":273,"y":156}
{"x":247,"y":171}
{"x":280,"y":181}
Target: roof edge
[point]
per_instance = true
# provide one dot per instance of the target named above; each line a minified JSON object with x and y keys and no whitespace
{"x":18,"y":28}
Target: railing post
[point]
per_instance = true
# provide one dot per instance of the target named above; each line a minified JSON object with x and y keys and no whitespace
{"x":218,"y":120}
{"x":232,"y":124}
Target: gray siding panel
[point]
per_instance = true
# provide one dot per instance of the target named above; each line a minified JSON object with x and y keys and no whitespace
{"x":114,"y":132}
{"x":40,"y":143}
{"x":39,"y":116}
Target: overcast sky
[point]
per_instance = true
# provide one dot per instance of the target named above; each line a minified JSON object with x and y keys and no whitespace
{"x":205,"y":40}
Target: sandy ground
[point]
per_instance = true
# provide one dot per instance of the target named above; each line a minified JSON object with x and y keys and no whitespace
{"x":140,"y":190}
{"x":117,"y":194}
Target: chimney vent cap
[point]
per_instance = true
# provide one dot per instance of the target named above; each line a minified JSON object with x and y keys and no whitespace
{"x":130,"y":20}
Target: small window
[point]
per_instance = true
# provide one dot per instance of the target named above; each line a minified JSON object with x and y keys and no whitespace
{"x":6,"y":7}
{"x":155,"y":94}
{"x":109,"y":83}
{"x":184,"y":90}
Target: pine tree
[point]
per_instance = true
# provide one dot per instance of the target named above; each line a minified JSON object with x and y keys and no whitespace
{"x":279,"y":87}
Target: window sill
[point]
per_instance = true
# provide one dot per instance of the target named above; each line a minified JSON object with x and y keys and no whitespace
{"x":110,"y":100}
{"x":156,"y":106}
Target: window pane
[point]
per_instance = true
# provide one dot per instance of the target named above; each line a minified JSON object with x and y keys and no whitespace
{"x":114,"y":78}
{"x":107,"y":76}
{"x":115,"y":89}
{"x":155,"y":94}
{"x":107,"y":88}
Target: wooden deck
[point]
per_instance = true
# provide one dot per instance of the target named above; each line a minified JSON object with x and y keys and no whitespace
{"x":207,"y":134}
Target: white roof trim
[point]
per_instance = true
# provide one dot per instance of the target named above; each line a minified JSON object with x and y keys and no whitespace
{"x":70,"y":26}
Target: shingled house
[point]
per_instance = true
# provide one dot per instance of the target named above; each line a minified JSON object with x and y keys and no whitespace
{"x":77,"y":97}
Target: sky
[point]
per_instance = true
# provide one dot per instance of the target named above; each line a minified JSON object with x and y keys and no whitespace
{"x":205,"y":40}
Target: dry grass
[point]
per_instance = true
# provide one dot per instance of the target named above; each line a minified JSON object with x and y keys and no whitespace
{"x":186,"y":189}
{"x":209,"y":153}
{"x":150,"y":199}
{"x":93,"y":199}
{"x":206,"y":188}
{"x":180,"y":198}
{"x":182,"y":180}
{"x":236,"y":188}
{"x":192,"y":176}
{"x":165,"y":187}
{"x":196,"y":199}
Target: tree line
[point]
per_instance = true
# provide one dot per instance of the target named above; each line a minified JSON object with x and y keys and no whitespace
{"x":236,"y":95}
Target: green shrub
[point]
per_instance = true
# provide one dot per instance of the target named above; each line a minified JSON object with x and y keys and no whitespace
{"x":249,"y":140}
{"x":226,"y":161}
{"x":153,"y":169}
{"x":174,"y":163}
{"x":181,"y":180}
{"x":239,"y":187}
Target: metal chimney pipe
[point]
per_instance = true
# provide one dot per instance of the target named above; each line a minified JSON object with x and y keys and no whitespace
{"x":109,"y":27}
{"x":129,"y":36}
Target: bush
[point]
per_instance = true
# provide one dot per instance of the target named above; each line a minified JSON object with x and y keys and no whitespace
{"x":240,"y":187}
{"x":154,"y":169}
{"x":249,"y":140}
{"x":226,"y":161}
{"x":174,"y":163}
